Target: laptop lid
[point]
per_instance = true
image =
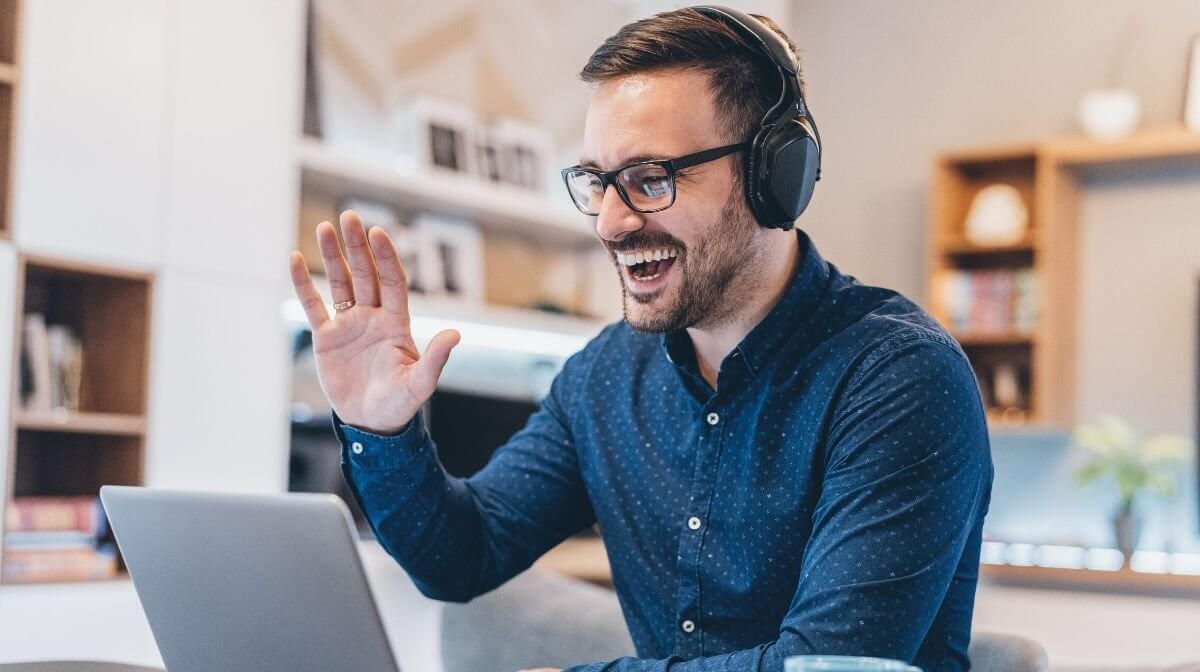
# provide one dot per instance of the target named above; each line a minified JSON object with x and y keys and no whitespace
{"x":239,"y":582}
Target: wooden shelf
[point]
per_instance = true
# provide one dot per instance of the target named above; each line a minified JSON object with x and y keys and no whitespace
{"x":1124,"y":580}
{"x":107,"y":310}
{"x":120,"y":424}
{"x":1000,"y":338}
{"x":1151,"y":144}
{"x":582,"y":558}
{"x":64,"y":579}
{"x":961,"y":246}
{"x":494,"y":206}
{"x":1047,"y":174}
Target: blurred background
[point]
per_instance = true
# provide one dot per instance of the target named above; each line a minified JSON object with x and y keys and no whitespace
{"x":1028,"y":171}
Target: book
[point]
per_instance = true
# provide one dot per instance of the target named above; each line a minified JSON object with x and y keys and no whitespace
{"x":55,"y":514}
{"x":36,"y":347}
{"x":989,"y":302}
{"x":29,"y":565}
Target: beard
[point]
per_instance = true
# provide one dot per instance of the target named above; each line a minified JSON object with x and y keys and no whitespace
{"x":715,"y":275}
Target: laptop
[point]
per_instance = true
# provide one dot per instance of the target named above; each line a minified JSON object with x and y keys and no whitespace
{"x":249,"y":583}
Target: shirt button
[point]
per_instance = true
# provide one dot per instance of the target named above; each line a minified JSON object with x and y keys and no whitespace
{"x":688,"y":626}
{"x":713,"y":418}
{"x":356,"y":447}
{"x":694,"y":523}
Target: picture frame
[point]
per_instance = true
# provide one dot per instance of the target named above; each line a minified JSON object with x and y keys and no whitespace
{"x":526,"y":152}
{"x":450,"y":253}
{"x":435,"y":134}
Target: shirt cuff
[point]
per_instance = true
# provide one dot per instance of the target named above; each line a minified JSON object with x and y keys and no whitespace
{"x":376,"y":452}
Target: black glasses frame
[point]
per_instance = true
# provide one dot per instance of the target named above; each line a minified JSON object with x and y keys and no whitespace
{"x":608,"y":177}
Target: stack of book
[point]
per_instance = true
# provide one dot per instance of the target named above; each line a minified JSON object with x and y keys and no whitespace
{"x":990,"y":302}
{"x":56,"y":539}
{"x":51,"y":366}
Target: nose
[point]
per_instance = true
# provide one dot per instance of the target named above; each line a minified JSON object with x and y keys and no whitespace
{"x":616,"y":220}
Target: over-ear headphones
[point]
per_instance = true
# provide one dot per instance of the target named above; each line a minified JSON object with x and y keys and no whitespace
{"x":783,"y":162}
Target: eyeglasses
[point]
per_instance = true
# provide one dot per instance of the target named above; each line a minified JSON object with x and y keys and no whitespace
{"x":645,"y":186}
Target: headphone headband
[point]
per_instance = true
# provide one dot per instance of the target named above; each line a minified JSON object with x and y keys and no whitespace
{"x":769,"y":44}
{"x":784,"y":161}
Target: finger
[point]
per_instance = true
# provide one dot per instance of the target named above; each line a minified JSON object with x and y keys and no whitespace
{"x":335,"y":264}
{"x":393,"y":282}
{"x":429,"y":367}
{"x":306,"y":291}
{"x":362,"y":264}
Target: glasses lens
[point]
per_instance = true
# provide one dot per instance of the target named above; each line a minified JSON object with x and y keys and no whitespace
{"x":649,"y":186}
{"x":586,"y":190}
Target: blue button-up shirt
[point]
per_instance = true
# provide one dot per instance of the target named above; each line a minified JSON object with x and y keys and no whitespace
{"x":827,"y":497}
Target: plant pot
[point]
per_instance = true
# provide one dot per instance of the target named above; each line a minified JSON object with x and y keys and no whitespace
{"x":1125,"y":531}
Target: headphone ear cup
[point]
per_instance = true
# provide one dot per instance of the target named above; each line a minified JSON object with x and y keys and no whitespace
{"x":755,"y":196}
{"x":787,"y":173}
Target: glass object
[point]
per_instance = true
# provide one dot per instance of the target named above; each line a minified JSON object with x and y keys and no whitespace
{"x":845,"y":664}
{"x":645,"y":186}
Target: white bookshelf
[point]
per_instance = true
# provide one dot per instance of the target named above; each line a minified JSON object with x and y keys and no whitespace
{"x":492,"y":206}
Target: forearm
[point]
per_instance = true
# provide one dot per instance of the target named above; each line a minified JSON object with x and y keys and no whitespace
{"x":429,"y":521}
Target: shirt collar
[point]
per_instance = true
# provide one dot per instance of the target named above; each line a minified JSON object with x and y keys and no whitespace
{"x":801,"y":298}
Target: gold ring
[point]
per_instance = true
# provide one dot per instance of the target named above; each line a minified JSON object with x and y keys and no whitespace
{"x":343,"y":305}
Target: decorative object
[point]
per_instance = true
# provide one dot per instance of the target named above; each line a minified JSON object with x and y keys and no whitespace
{"x":1109,"y":113}
{"x":450,"y":254}
{"x":1191,"y":110}
{"x":434,"y":133}
{"x":1114,"y":110}
{"x":1006,"y":386}
{"x":526,"y":151}
{"x":1135,"y":466}
{"x":997,"y":216}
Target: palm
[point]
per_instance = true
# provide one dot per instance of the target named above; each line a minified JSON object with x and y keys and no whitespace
{"x":367,"y":360}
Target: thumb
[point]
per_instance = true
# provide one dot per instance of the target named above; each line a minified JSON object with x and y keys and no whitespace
{"x":437,"y":352}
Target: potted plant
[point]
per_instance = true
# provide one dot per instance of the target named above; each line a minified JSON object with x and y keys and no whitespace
{"x":1132,"y":464}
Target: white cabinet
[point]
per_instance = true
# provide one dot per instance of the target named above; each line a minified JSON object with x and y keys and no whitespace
{"x":218,"y":412}
{"x":236,"y":92}
{"x":89,"y":170}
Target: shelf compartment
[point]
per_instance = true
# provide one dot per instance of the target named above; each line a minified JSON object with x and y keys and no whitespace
{"x":117,"y":424}
{"x":59,"y":464}
{"x":325,"y":171}
{"x":108,"y":311}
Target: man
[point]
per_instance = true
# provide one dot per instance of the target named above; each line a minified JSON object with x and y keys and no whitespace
{"x":781,"y":460}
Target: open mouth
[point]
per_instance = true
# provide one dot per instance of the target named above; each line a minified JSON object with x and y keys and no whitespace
{"x":646,"y":270}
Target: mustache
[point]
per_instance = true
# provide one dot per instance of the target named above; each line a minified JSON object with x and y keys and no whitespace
{"x":641,"y":241}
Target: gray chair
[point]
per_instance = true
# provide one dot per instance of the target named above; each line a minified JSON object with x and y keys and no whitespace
{"x":994,"y":652}
{"x":543,"y":620}
{"x":74,"y":666}
{"x":537,"y":619}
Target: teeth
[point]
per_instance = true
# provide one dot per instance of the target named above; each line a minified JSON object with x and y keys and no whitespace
{"x":642,"y":256}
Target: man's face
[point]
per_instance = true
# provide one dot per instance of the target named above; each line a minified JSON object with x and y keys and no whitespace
{"x":709,"y":229}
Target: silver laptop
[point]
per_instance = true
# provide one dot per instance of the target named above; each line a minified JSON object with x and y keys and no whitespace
{"x":249,"y":583}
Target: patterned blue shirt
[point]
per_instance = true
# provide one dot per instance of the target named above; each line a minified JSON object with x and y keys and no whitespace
{"x":828,"y":497}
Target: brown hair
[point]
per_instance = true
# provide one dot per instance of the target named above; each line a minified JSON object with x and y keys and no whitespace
{"x":743,"y":80}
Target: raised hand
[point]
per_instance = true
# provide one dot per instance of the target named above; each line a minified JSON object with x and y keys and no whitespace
{"x":367,"y":361}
